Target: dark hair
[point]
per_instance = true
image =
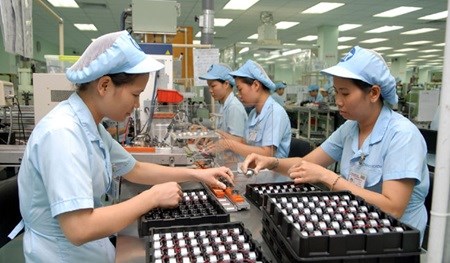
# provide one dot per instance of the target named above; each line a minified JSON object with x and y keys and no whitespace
{"x":223,"y":81}
{"x":249,"y":81}
{"x":364,"y":86}
{"x":118,"y":79}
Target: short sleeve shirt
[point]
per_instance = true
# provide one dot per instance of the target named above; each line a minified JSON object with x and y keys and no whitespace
{"x":234,"y":116}
{"x":270,"y":128}
{"x":394,"y":150}
{"x":68,"y":164}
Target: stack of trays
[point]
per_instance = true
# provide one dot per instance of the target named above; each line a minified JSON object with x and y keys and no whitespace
{"x":257,"y":193}
{"x":335,"y":226}
{"x":197,"y":207}
{"x":228,"y":242}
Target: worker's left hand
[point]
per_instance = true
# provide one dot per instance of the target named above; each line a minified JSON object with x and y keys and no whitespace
{"x":217,"y":146}
{"x":307,"y":172}
{"x":211,"y":176}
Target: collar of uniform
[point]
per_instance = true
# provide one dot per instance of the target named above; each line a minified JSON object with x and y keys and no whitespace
{"x":381,"y":125}
{"x":228,"y":100}
{"x":84,"y":116}
{"x":265,"y":111}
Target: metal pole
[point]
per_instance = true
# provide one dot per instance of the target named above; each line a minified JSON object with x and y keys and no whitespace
{"x":438,"y":246}
{"x":61,"y":26}
{"x":208,"y":23}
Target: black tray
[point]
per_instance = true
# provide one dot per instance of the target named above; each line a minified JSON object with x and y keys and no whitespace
{"x":186,"y":231}
{"x":187,"y":213}
{"x":257,"y":193}
{"x":335,"y":245}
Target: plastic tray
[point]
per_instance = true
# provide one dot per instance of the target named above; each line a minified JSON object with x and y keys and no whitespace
{"x":257,"y":193}
{"x":284,"y":254}
{"x":201,"y":233}
{"x":338,"y":244}
{"x":187,"y":213}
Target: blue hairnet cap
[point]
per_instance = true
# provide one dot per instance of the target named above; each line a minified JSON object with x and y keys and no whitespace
{"x":368,"y":66}
{"x":313,"y":87}
{"x":280,"y":85}
{"x":110,"y":54}
{"x":253,"y":70}
{"x":219,"y":71}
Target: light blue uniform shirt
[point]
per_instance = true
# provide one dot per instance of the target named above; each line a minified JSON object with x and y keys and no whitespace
{"x":394,"y":150}
{"x":234,"y":116}
{"x":69,"y":163}
{"x":270,"y":128}
{"x":276,"y":97}
{"x":318,"y":98}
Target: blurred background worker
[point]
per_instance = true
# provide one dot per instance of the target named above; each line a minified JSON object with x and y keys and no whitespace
{"x":314,"y":95}
{"x":277,"y":95}
{"x":233,"y":114}
{"x":268,"y":129}
{"x":327,"y":93}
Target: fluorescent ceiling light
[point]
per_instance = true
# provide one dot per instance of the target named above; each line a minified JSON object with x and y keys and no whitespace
{"x":286,"y":24}
{"x":245,"y":43}
{"x":85,"y":27}
{"x":282,"y":59}
{"x":199,"y":34}
{"x":343,"y":47}
{"x":381,"y":48}
{"x":64,"y":3}
{"x":196,"y":42}
{"x":416,"y":43}
{"x":308,"y":38}
{"x":292,"y":52}
{"x":322,"y":7}
{"x":245,"y":49}
{"x":221,"y":22}
{"x":289,"y":44}
{"x":398,"y":11}
{"x":346,"y":27}
{"x":428,"y":56}
{"x":396,"y":55}
{"x":406,"y":50}
{"x":417,"y":59}
{"x":256,"y":55}
{"x":440,"y":15}
{"x":345,"y":39}
{"x":439,"y":45}
{"x":384,"y":29}
{"x":430,"y":50}
{"x":240,"y":4}
{"x":374,"y":40}
{"x":419,"y":31}
{"x":254,"y":36}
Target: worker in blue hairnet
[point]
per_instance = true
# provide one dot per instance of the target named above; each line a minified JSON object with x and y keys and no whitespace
{"x":277,"y":95}
{"x":382,"y":155}
{"x":268,"y":129}
{"x":71,"y":161}
{"x":314,"y":95}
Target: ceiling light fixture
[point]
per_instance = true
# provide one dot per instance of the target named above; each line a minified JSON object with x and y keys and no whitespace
{"x":345,"y":39}
{"x":436,"y":16}
{"x":221,"y":22}
{"x":384,"y":29}
{"x":85,"y":27}
{"x":417,"y":43}
{"x":406,"y":50}
{"x":285,"y":24}
{"x":292,"y":52}
{"x":398,"y":11}
{"x":396,"y":55}
{"x":430,"y":50}
{"x":382,"y":48}
{"x":64,"y":3}
{"x":346,"y":27}
{"x":322,"y":7}
{"x":239,"y":4}
{"x":374,"y":40}
{"x":254,"y":36}
{"x":308,"y":38}
{"x":419,"y":31}
{"x":343,"y":47}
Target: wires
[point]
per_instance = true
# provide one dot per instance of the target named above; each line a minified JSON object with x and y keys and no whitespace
{"x":21,"y":127}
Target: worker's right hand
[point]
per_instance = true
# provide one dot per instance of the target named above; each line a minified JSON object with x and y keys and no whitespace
{"x":257,"y":162}
{"x":166,"y":195}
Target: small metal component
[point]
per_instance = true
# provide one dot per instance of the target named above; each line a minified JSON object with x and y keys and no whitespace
{"x":250,"y":172}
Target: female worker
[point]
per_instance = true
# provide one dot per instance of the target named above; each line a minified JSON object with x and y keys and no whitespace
{"x":268,"y":129}
{"x":382,"y":155}
{"x":70,"y":160}
{"x":233,"y":114}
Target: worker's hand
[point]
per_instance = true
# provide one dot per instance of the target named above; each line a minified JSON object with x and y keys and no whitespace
{"x":166,"y":195}
{"x":212,"y":176}
{"x":307,"y":172}
{"x":257,"y":162}
{"x":217,"y":146}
